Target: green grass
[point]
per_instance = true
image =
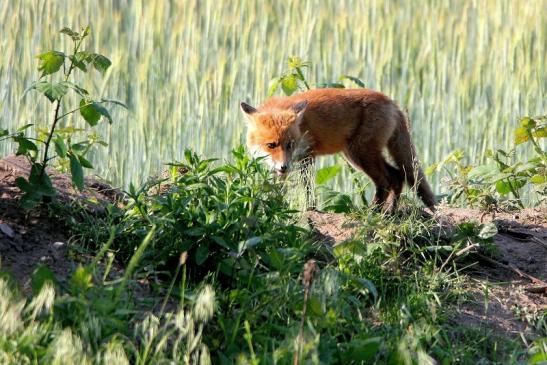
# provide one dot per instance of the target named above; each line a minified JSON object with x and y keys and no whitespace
{"x":220,"y":247}
{"x":465,"y":70}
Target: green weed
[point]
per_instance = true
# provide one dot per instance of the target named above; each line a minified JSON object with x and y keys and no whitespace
{"x":69,"y":153}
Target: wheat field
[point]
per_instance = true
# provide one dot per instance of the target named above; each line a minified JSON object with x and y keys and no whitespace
{"x":464,"y":70}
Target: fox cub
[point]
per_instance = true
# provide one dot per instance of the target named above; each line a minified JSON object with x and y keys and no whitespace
{"x":360,"y":123}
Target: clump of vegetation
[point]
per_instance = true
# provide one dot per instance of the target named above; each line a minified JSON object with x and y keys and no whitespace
{"x":67,"y":151}
{"x":95,"y":321}
{"x":381,"y":297}
{"x":499,"y":183}
{"x":293,"y":79}
{"x":230,"y":215}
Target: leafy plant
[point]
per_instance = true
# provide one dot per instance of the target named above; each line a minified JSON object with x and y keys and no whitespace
{"x":73,"y":154}
{"x":293,"y":79}
{"x":501,"y":180}
{"x":232,"y":215}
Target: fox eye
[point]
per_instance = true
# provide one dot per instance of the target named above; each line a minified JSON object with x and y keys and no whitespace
{"x":271,"y":145}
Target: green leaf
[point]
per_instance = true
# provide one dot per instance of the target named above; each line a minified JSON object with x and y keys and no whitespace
{"x":103,"y":111}
{"x":361,"y":351}
{"x":80,"y":90}
{"x":539,"y":358}
{"x":327,"y":173}
{"x":79,"y":147}
{"x":81,"y":281}
{"x":483,"y":171}
{"x":296,"y":62}
{"x":540,"y":132}
{"x":201,"y":254}
{"x":335,"y":85}
{"x":24,"y":185}
{"x":52,"y":90}
{"x":26,"y":126}
{"x":89,"y":112}
{"x":289,"y":84}
{"x":315,"y":306}
{"x":3,"y":132}
{"x":72,"y":34}
{"x":195,"y":232}
{"x":40,"y":182}
{"x":524,"y":168}
{"x":37,"y":186}
{"x":357,"y":81}
{"x":338,"y":203}
{"x":76,"y":171}
{"x":521,"y":135}
{"x":366,"y":287}
{"x":117,"y":102}
{"x":25,"y":145}
{"x":538,"y":179}
{"x":488,"y":230}
{"x":78,"y":64}
{"x":221,"y":241}
{"x":50,"y":62}
{"x":273,"y":85}
{"x":503,"y":187}
{"x":41,"y":275}
{"x":84,"y":162}
{"x":527,"y":122}
{"x":60,"y":146}
{"x":100,"y":62}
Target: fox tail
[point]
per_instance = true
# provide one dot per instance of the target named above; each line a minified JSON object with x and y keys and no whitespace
{"x":403,"y":152}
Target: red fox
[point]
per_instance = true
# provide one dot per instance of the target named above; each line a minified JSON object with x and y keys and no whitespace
{"x":360,"y":123}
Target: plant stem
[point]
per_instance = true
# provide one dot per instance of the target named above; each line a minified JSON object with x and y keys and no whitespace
{"x":537,"y":147}
{"x":299,"y":71}
{"x":48,"y":141}
{"x":515,"y":193}
{"x":168,"y":294}
{"x":75,"y":110}
{"x":56,"y":117}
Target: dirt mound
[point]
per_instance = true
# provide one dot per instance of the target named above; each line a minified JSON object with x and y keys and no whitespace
{"x":521,"y":241}
{"x":30,"y":238}
{"x":508,"y":293}
{"x":331,"y":228}
{"x":513,"y":284}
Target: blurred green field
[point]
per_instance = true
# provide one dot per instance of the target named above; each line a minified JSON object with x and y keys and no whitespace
{"x":465,"y":70}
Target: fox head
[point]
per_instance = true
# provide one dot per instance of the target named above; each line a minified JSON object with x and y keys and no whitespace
{"x":274,"y":134}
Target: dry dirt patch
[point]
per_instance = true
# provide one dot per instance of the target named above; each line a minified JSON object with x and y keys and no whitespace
{"x":30,"y":238}
{"x":508,"y":280}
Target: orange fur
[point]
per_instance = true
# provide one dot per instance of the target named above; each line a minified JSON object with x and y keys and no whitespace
{"x":360,"y":123}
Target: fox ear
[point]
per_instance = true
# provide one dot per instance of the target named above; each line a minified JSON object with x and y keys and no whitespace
{"x":247,"y":109}
{"x":299,"y":109}
{"x":300,"y":106}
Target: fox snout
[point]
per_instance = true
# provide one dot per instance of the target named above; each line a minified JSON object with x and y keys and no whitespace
{"x":282,"y":169}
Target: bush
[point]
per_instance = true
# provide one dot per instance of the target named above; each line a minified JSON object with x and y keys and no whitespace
{"x":227,"y":218}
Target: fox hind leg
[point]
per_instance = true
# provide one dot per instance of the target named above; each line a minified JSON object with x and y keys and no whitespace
{"x":384,"y":176}
{"x":397,"y":180}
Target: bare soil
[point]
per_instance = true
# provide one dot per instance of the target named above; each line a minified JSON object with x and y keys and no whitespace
{"x":514,"y":282}
{"x":31,"y":238}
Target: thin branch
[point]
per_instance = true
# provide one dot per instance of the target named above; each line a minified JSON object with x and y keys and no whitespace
{"x":49,"y":137}
{"x":75,"y":110}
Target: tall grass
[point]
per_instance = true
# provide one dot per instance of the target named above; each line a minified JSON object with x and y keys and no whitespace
{"x":464,"y":69}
